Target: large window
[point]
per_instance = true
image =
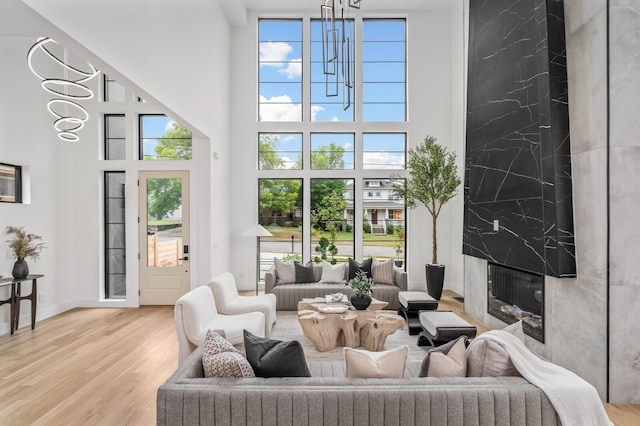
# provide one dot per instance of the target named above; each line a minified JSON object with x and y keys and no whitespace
{"x":113,"y":91}
{"x":330,"y":143}
{"x":383,"y":70}
{"x":383,"y":150}
{"x":280,"y":212}
{"x":114,"y":137}
{"x":280,"y":70}
{"x":332,"y":151}
{"x":328,"y":93}
{"x":162,"y":138}
{"x":279,"y":151}
{"x":114,"y":239}
{"x":10,"y":183}
{"x":332,"y":236}
{"x":383,"y":219}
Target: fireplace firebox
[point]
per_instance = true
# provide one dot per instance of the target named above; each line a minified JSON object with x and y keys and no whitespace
{"x":516,"y":295}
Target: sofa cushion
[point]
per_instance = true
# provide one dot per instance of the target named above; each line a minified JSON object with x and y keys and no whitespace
{"x":275,"y":358}
{"x":448,"y":360}
{"x":382,"y":272}
{"x":487,"y":358}
{"x":384,"y":364}
{"x":355,"y":266}
{"x":304,"y":273}
{"x":221,"y":359}
{"x":332,"y":273}
{"x":285,"y":271}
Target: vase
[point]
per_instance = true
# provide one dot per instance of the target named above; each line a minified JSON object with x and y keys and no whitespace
{"x":360,"y":302}
{"x":435,"y":280}
{"x":20,"y":268}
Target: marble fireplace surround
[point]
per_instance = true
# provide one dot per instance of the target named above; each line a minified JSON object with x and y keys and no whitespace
{"x":591,"y":320}
{"x":518,"y":195}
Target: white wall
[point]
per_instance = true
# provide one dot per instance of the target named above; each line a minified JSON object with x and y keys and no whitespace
{"x":435,"y":105}
{"x":185,"y":66}
{"x":28,"y":140}
{"x":178,"y":54}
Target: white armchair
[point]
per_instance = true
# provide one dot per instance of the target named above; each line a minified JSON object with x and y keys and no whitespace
{"x":229,"y":302}
{"x":196,"y":313}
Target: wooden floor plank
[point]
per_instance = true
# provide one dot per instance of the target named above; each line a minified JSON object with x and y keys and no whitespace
{"x":104,"y":366}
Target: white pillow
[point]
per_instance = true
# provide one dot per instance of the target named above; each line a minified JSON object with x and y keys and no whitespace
{"x":382,"y":272}
{"x":487,"y":358}
{"x":285,"y":271}
{"x":333,"y":273}
{"x":367,"y":364}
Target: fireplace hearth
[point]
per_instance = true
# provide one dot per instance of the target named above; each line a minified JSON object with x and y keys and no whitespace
{"x":516,"y":295}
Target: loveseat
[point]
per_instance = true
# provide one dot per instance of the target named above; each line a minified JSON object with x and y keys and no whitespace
{"x":328,"y":398}
{"x":288,"y":295}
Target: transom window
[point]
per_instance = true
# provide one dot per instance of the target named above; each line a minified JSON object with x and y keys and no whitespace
{"x":162,"y":138}
{"x":280,"y":70}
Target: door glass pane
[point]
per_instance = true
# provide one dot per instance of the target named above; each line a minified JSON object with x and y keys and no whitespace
{"x":164,"y":222}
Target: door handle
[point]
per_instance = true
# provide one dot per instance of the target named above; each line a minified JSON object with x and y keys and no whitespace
{"x":184,"y":258}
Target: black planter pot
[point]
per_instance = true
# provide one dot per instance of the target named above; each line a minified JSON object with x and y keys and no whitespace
{"x":435,"y":280}
{"x":20,"y":268}
{"x":360,"y":302}
{"x":398,"y":263}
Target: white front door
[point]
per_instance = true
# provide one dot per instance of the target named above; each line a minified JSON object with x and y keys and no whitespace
{"x":164,"y":236}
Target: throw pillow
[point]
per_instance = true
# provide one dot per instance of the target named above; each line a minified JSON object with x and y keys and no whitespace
{"x":355,"y":266}
{"x":304,"y":273}
{"x":486,"y":358}
{"x":383,"y":272}
{"x":384,"y":364}
{"x":285,"y":271}
{"x":275,"y":358}
{"x":333,"y":273}
{"x":448,"y":360}
{"x":221,"y":359}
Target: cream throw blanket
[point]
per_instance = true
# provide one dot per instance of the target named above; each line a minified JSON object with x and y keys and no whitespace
{"x":576,"y":401}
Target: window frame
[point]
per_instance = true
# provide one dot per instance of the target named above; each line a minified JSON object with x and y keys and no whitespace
{"x":17,"y":185}
{"x":141,"y":139}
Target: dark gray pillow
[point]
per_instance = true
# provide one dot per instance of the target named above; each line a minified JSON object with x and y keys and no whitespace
{"x":275,"y":358}
{"x":304,"y":273}
{"x":355,"y":266}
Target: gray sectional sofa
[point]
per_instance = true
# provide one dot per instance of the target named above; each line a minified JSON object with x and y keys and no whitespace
{"x":327,"y":398}
{"x":288,"y":295}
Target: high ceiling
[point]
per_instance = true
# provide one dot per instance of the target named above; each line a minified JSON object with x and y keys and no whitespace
{"x":386,"y":5}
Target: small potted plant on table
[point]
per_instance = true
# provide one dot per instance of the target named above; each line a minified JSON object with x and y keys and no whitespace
{"x":362,"y":285}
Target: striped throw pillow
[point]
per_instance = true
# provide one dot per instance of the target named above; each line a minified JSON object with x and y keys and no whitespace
{"x":382,"y":271}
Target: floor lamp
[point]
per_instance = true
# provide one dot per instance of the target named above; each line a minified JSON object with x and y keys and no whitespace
{"x":257,"y":231}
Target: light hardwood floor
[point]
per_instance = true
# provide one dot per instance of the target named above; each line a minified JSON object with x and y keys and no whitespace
{"x":104,"y":366}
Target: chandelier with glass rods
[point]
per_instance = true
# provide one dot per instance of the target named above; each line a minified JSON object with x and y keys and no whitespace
{"x":338,"y":48}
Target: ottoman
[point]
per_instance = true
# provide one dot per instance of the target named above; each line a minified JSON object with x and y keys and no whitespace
{"x":411,"y":303}
{"x":440,"y":327}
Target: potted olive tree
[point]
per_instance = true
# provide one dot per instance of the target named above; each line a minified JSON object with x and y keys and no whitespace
{"x":432,"y":181}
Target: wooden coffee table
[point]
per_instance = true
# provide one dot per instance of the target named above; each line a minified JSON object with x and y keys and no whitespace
{"x":351,"y":328}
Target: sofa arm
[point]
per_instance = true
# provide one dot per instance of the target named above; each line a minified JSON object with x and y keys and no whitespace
{"x":270,"y":280}
{"x":400,"y":278}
